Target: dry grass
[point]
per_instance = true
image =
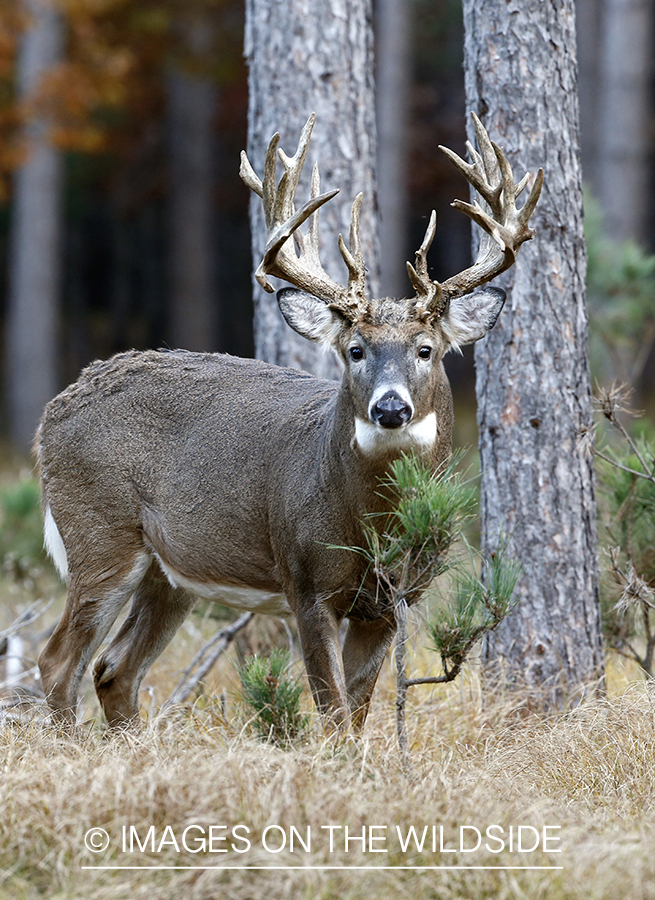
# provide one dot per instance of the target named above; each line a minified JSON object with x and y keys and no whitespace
{"x":589,"y":772}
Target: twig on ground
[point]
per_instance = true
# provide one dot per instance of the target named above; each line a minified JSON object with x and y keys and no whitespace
{"x":204,"y":661}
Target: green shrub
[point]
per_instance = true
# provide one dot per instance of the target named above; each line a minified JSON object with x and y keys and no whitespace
{"x":21,"y":529}
{"x":273,"y":696}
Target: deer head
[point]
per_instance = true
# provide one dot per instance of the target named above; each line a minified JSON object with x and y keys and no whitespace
{"x":391,"y":348}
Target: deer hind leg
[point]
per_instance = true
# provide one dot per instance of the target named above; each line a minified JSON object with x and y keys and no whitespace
{"x":95,"y":598}
{"x":156,"y":613}
{"x":364,"y":651}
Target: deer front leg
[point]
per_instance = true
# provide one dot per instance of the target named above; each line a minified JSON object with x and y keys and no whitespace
{"x":318,"y":628}
{"x":364,"y":650}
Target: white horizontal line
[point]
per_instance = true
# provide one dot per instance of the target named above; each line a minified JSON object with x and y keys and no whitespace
{"x":335,"y":868}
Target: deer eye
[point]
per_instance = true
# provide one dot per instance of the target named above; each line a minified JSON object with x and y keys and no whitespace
{"x":356,"y":354}
{"x":425,"y":352}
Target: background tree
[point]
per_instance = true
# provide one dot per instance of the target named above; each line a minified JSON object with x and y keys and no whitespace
{"x":192,"y":99}
{"x":35,"y":253}
{"x":392,"y":82}
{"x":308,"y":57}
{"x":533,"y":379}
{"x":615,"y":47}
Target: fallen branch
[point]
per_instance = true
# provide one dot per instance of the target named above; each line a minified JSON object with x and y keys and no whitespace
{"x":31,"y":614}
{"x":204,"y":661}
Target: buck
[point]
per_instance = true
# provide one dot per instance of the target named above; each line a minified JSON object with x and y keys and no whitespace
{"x":172,"y":475}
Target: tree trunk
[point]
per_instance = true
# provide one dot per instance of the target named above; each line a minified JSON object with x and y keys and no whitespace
{"x":392,"y":97}
{"x":305,"y":57}
{"x":533,"y":386}
{"x":623,"y":134}
{"x":192,"y":98}
{"x":589,"y":18}
{"x":31,"y":328}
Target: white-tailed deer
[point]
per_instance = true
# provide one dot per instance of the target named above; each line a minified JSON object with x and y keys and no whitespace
{"x":168,"y":476}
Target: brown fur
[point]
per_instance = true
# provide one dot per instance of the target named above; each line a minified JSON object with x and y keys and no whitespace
{"x":233,"y":472}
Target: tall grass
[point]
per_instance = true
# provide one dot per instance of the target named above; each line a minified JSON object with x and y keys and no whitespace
{"x":589,"y":773}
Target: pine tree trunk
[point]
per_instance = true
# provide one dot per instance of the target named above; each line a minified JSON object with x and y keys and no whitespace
{"x":589,"y":17}
{"x":31,"y":327}
{"x":193,"y":297}
{"x":623,"y":122}
{"x":392,"y":76}
{"x":305,"y":57}
{"x":532,"y":372}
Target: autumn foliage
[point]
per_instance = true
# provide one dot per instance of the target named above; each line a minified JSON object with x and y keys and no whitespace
{"x":108,"y":89}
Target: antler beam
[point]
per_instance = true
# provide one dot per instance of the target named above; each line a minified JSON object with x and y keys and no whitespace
{"x":505,"y":227}
{"x":301,"y":265}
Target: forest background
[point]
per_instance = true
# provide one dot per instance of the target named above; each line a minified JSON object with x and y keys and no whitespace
{"x":146,"y":105}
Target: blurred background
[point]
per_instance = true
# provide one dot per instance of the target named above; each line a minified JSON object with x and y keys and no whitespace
{"x":138,"y":111}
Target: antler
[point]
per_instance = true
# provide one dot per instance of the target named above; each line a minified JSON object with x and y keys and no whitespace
{"x":303,"y":268}
{"x":505,"y":227}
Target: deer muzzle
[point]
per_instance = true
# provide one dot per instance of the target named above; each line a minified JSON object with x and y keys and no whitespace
{"x":391,"y":411}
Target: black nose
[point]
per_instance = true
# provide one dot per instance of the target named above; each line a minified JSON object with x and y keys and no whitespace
{"x":391,"y":411}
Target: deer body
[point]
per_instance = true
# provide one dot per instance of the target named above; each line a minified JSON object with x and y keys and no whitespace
{"x":172,"y":475}
{"x":216,"y":499}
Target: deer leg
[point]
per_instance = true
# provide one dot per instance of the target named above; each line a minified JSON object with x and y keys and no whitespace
{"x":364,"y":651}
{"x":156,"y":613}
{"x":91,"y":609}
{"x":318,"y":628}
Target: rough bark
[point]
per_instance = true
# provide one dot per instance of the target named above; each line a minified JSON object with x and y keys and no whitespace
{"x":533,"y":381}
{"x":392,"y":71}
{"x":31,"y":328}
{"x":305,"y":56}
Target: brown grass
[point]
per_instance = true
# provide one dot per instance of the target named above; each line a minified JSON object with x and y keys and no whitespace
{"x":589,"y":772}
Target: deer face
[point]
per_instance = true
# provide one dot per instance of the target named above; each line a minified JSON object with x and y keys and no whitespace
{"x":392,"y":358}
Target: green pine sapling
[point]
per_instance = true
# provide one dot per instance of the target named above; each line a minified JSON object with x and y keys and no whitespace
{"x":410,"y":551}
{"x":273,"y":694}
{"x":627,"y":491}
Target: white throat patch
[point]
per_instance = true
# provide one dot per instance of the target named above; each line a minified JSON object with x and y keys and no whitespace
{"x":373,"y":439}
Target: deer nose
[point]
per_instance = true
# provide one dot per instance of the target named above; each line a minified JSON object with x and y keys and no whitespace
{"x":391,"y":411}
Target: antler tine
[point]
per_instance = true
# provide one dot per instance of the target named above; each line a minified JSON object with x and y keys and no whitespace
{"x":248,"y":176}
{"x":354,"y":260}
{"x":293,"y":166}
{"x":269,"y":179}
{"x":488,"y":154}
{"x":303,"y":268}
{"x":505,"y":228}
{"x":520,"y":187}
{"x":428,"y":292}
{"x":533,"y":198}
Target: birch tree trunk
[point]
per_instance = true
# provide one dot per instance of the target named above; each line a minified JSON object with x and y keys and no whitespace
{"x":532,"y":372}
{"x":31,"y":326}
{"x":305,"y":57}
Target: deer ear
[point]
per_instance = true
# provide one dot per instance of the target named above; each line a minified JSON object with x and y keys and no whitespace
{"x":470,"y":317}
{"x":309,"y":316}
